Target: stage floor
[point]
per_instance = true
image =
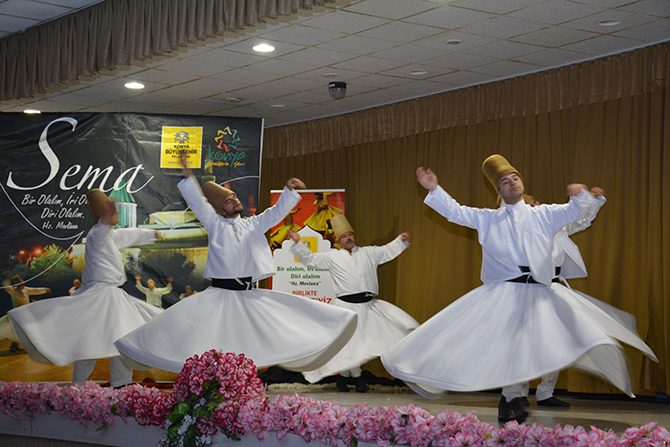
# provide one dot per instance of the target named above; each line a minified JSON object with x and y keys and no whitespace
{"x":616,"y":413}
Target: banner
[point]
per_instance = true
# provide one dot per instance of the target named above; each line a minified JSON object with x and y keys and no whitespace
{"x":311,"y":219}
{"x":50,"y":161}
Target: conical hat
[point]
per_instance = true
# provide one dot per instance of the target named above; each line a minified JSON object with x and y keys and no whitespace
{"x":496,"y":167}
{"x":340,"y":225}
{"x":216,"y":195}
{"x":96,"y":203}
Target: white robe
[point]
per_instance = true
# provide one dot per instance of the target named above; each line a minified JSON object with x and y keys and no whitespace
{"x":506,"y":333}
{"x":269,"y":327}
{"x":380,"y":323}
{"x":85,"y":325}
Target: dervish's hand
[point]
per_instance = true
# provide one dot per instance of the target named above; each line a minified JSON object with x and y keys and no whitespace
{"x":405,"y":237}
{"x":295,"y":237}
{"x":110,"y":209}
{"x":158,"y":235}
{"x":597,"y":191}
{"x":137,"y":278}
{"x":170,"y":279}
{"x":427,"y":178}
{"x":295,"y":183}
{"x":575,"y":188}
{"x":186,"y":172}
{"x":48,"y":290}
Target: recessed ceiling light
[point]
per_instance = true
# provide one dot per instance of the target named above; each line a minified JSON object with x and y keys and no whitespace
{"x":331,"y":75}
{"x":264,"y":48}
{"x":31,"y":111}
{"x":277,"y":106}
{"x":609,"y":22}
{"x":232,"y":100}
{"x":454,"y":42}
{"x":133,"y":85}
{"x":418,"y":72}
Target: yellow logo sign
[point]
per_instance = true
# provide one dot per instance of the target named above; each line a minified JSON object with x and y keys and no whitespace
{"x":177,"y":139}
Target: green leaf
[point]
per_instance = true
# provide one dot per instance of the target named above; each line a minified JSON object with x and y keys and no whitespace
{"x":353,"y":442}
{"x":102,"y":427}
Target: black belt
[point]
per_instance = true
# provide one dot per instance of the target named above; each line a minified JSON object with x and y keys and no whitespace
{"x":527,"y":278}
{"x":357,"y":298}
{"x":233,"y":283}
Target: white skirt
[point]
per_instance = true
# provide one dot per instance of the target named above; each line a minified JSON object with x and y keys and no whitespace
{"x":269,"y":327}
{"x":83,"y":326}
{"x":380,"y":326}
{"x":505,"y":333}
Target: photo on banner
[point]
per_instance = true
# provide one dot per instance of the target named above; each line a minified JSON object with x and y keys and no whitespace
{"x":48,"y":162}
{"x":311,"y":219}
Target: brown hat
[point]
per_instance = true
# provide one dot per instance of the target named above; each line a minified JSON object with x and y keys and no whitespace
{"x":96,"y":203}
{"x":16,"y":279}
{"x":340,"y":225}
{"x":496,"y":167}
{"x":216,"y":195}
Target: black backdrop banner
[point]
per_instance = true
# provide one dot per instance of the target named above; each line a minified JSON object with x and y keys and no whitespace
{"x":48,"y":163}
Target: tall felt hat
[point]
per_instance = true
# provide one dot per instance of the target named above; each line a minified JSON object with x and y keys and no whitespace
{"x":96,"y":203}
{"x":496,"y":167}
{"x":16,"y":279}
{"x":216,"y":195}
{"x":340,"y":225}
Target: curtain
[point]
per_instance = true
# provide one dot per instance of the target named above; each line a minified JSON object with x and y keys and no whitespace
{"x":604,"y":123}
{"x":117,"y":32}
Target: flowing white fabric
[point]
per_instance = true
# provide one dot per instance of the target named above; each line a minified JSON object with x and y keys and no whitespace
{"x":269,"y":327}
{"x":506,"y":333}
{"x":84,"y":325}
{"x":380,"y":326}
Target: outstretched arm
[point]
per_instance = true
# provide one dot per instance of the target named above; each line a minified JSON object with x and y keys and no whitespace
{"x":186,"y":172}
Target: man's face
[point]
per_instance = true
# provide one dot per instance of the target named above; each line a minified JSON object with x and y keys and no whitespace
{"x":232,"y":206}
{"x":151,"y":284}
{"x":347,"y":241}
{"x":511,"y":188}
{"x":77,"y":283}
{"x":115,"y":217}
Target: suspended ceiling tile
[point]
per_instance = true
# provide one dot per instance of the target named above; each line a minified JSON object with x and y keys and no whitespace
{"x":214,"y":85}
{"x":467,"y":41}
{"x":381,"y":80}
{"x":504,"y":69}
{"x":357,"y":45}
{"x":164,"y":77}
{"x":405,"y":73}
{"x":247,"y":77}
{"x":318,"y":56}
{"x":497,"y":6}
{"x":551,"y":58}
{"x":231,"y":59}
{"x":449,"y":17}
{"x":345,"y":22}
{"x":627,"y":19}
{"x":603,"y":45}
{"x":326,"y":73}
{"x":555,"y":12}
{"x":400,"y":32}
{"x":459,"y":61}
{"x":604,"y":3}
{"x":391,"y":9}
{"x":10,"y":24}
{"x":409,"y":54}
{"x":292,"y":83}
{"x":186,"y":66}
{"x":658,"y":31}
{"x":247,"y":46}
{"x":366,"y":64}
{"x":555,"y":37}
{"x":503,"y":27}
{"x":298,"y":34}
{"x":503,"y":49}
{"x":281,"y":67}
{"x":28,"y":9}
{"x":658,"y":8}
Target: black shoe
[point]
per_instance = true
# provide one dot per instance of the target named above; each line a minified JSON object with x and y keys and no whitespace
{"x":14,"y":348}
{"x":342,"y":384}
{"x":504,"y":411}
{"x":361,"y":386}
{"x":525,"y":402}
{"x":519,"y":411}
{"x":553,"y":402}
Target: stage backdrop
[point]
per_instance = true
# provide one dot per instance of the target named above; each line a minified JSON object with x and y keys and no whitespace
{"x":50,"y":161}
{"x":311,"y":218}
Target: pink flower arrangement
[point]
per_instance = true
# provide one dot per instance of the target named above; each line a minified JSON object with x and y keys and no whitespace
{"x":219,"y":392}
